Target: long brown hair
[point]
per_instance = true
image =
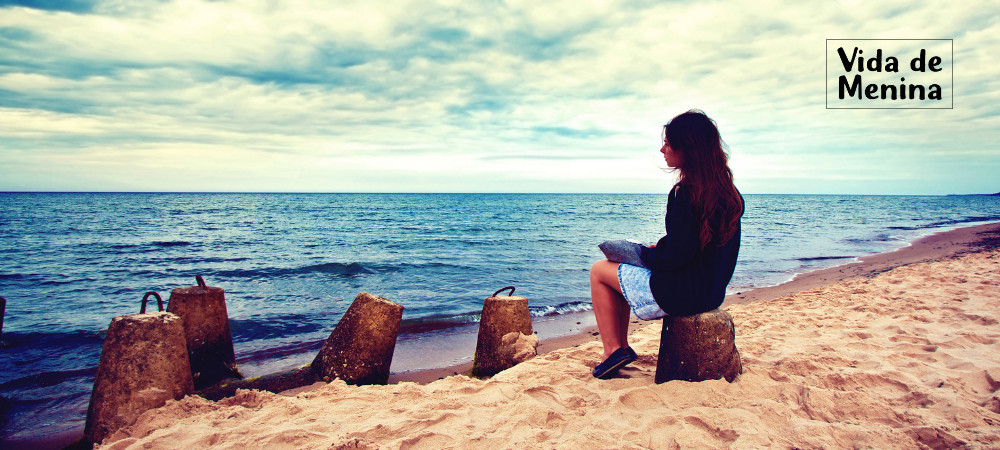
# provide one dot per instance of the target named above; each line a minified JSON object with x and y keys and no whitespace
{"x":704,"y":171}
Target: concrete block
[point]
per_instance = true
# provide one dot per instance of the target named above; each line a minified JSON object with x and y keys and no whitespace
{"x":698,"y":347}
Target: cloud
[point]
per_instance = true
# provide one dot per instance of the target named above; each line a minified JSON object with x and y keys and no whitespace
{"x":559,"y":96}
{"x":75,"y":6}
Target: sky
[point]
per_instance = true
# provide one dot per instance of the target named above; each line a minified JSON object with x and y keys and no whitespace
{"x":478,"y":96}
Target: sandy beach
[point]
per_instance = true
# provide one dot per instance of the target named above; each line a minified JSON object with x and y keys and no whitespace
{"x":883,"y":354}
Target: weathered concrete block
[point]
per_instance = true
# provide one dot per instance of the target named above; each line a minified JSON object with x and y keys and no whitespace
{"x":143,"y":364}
{"x":206,"y":328}
{"x":699,"y":347}
{"x":501,"y":316}
{"x":359,"y":350}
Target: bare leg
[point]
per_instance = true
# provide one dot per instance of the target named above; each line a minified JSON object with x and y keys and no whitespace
{"x":624,"y":317}
{"x":610,"y":308}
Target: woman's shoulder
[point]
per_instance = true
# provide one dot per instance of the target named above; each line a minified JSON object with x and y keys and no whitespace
{"x":680,"y":198}
{"x":680,"y":192}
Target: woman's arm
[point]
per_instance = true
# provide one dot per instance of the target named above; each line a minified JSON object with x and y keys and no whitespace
{"x":680,"y":244}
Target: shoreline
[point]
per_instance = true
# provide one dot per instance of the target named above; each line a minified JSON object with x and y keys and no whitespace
{"x":933,"y":247}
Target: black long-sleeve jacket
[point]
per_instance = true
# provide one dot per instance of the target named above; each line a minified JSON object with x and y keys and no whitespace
{"x":686,"y":280}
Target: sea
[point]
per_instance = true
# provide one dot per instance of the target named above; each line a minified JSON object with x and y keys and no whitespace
{"x":291,"y":264}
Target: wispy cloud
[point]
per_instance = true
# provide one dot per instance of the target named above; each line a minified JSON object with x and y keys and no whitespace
{"x":413,"y":96}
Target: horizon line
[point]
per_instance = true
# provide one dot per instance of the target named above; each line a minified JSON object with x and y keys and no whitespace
{"x":457,"y":193}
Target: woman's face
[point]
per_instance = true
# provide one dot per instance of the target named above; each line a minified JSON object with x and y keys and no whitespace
{"x":673,"y":159}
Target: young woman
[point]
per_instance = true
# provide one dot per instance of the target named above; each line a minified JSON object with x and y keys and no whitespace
{"x":687,"y":270}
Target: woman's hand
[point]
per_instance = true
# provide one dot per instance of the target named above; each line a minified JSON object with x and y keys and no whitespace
{"x":652,"y":246}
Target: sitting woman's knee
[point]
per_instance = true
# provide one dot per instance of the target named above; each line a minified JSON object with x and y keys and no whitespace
{"x":601,"y":270}
{"x":596,"y":267}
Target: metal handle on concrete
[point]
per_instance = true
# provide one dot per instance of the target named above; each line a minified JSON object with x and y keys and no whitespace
{"x":504,"y":289}
{"x":159,"y":302}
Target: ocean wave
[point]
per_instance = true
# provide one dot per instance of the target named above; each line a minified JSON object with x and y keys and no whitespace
{"x":336,"y":269}
{"x":171,"y":243}
{"x":350,"y":269}
{"x":216,"y":259}
{"x":59,"y":282}
{"x":339,"y":270}
{"x":438,"y":322}
{"x":822,"y":258}
{"x":271,"y":353}
{"x":123,"y":246}
{"x":46,"y":379}
{"x":562,"y":308}
{"x":876,"y":238}
{"x":970,"y":219}
{"x":244,"y":330}
{"x":948,"y":223}
{"x":52,"y":357}
{"x":445,"y":321}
